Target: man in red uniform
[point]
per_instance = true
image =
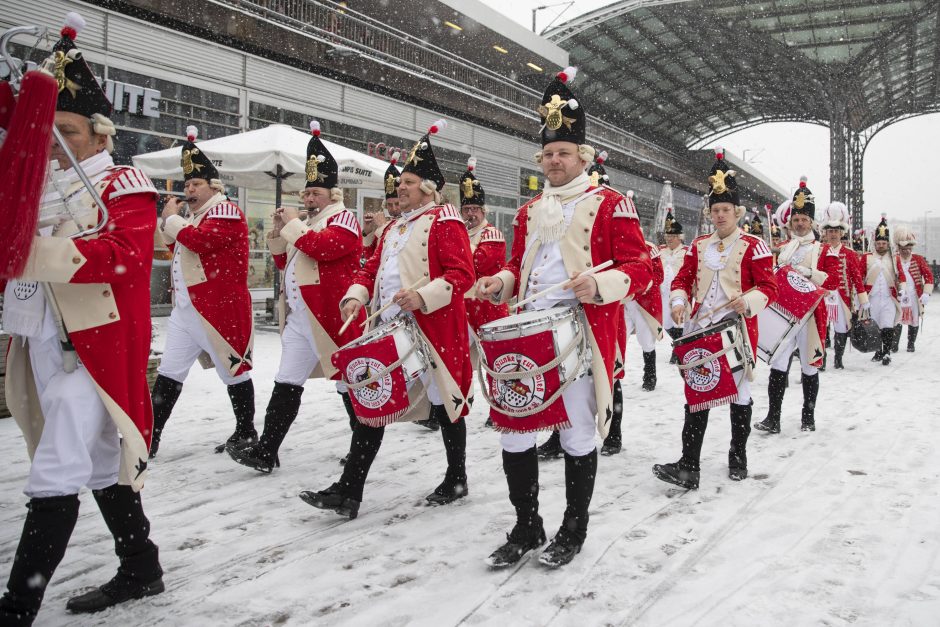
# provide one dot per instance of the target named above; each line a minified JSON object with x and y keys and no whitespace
{"x":375,"y":223}
{"x":727,"y":273}
{"x":79,"y":391}
{"x":428,"y":241}
{"x":487,"y":245}
{"x":319,"y":257}
{"x":211,"y":319}
{"x":570,"y":227}
{"x":845,"y":283}
{"x":919,"y":286}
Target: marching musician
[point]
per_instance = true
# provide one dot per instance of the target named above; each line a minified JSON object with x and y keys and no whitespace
{"x":727,"y":273}
{"x":884,"y":284}
{"x":671,"y":254}
{"x":487,"y":245}
{"x":643,"y":316}
{"x":211,"y":320}
{"x":79,"y":395}
{"x":567,"y":229}
{"x":428,"y":242}
{"x":375,"y":222}
{"x":802,"y":253}
{"x":319,"y":256}
{"x":919,"y":282}
{"x":843,"y":267}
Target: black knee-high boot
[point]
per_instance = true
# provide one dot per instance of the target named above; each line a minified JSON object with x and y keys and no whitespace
{"x":522,"y":477}
{"x":454,"y":434}
{"x":242,"y":396}
{"x":345,"y":495}
{"x":46,"y":532}
{"x":613,"y":443}
{"x":675,"y":334}
{"x":139,"y":574}
{"x":840,"y":342}
{"x":649,"y":370}
{"x":810,"y":391}
{"x":278,"y":418}
{"x":911,"y":337}
{"x":740,"y":430}
{"x":896,"y":338}
{"x":163,"y":396}
{"x":776,"y":389}
{"x":685,"y":472}
{"x":580,"y":473}
{"x":887,"y":342}
{"x":350,"y":410}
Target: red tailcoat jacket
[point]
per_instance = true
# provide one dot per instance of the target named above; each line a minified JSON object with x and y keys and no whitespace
{"x":604,"y":227}
{"x":489,"y":255}
{"x":438,"y":249}
{"x":329,"y":249}
{"x":102,"y":285}
{"x":845,"y":276}
{"x":651,"y":307}
{"x":214,"y":258}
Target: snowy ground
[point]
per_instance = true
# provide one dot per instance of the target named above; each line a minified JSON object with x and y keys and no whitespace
{"x":836,"y":527}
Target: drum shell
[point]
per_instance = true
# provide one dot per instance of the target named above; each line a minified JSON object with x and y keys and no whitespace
{"x":563,"y":322}
{"x":731,"y":329}
{"x":405,"y":338}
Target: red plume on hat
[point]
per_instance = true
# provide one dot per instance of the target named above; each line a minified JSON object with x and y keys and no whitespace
{"x":23,"y":159}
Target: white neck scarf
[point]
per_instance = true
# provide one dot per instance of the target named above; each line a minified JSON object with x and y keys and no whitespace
{"x":794,"y":244}
{"x":318,"y":222}
{"x":549,"y":214}
{"x":94,"y":168}
{"x":212,"y":202}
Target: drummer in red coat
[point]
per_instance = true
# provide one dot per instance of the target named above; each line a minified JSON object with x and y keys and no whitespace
{"x":570,"y":227}
{"x":211,"y":319}
{"x":82,"y":402}
{"x":727,"y":273}
{"x":846,"y":284}
{"x":422,"y":267}
{"x":918,"y":280}
{"x":487,"y":245}
{"x":319,"y":257}
{"x":803,"y":253}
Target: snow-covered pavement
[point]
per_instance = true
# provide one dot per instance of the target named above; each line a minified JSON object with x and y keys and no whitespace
{"x":836,"y":527}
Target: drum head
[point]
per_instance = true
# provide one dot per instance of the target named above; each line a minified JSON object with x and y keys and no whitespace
{"x":715,"y":328}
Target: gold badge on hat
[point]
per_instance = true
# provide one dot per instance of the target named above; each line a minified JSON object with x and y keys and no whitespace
{"x":800,"y":201}
{"x":468,"y":187}
{"x":717,"y":181}
{"x":413,"y":155}
{"x":313,"y":169}
{"x":595,"y":178}
{"x":187,"y":162}
{"x":389,"y":185}
{"x":551,"y":111}
{"x":61,"y":61}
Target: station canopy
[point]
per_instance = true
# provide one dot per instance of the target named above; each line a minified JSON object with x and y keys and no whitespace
{"x":682,"y":72}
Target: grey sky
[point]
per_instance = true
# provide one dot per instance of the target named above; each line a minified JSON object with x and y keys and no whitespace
{"x":898,"y":163}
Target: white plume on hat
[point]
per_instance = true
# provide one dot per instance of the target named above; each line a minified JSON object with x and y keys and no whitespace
{"x":783,"y":212}
{"x":836,"y":215}
{"x":903,"y":236}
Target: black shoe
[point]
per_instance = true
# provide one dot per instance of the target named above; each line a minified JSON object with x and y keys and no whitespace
{"x":768,"y":424}
{"x":561,"y":550}
{"x":886,"y":360}
{"x":154,"y":445}
{"x":332,"y":499}
{"x":448,"y":492}
{"x":552,"y":448}
{"x":737,"y":466}
{"x":807,"y":426}
{"x":118,"y":590}
{"x":254,"y":456}
{"x":519,"y":542}
{"x":238,"y":441}
{"x":430,"y":423}
{"x":877,"y":356}
{"x":344,"y":459}
{"x":677,"y":474}
{"x":488,"y":423}
{"x":611,"y":447}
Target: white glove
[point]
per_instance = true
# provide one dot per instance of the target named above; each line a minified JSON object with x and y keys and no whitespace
{"x":865,"y":306}
{"x":924,"y":298}
{"x":806,"y":272}
{"x":865,"y":313}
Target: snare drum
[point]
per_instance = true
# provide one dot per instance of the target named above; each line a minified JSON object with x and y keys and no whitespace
{"x":797,"y":298}
{"x":730,"y":333}
{"x":709,"y":360}
{"x":407,"y":342}
{"x":530,"y":359}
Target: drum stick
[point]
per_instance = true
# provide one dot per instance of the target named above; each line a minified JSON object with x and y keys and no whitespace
{"x":346,"y":324}
{"x":558,"y":286}
{"x":712,"y":312}
{"x":390,"y":303}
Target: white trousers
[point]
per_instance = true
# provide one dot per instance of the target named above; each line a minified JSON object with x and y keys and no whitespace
{"x":883,"y":311}
{"x":299,"y":354}
{"x":79,"y":445}
{"x":186,"y":339}
{"x":578,"y":439}
{"x":839,"y":324}
{"x":800,"y":341}
{"x":667,"y":306}
{"x":637,"y":323}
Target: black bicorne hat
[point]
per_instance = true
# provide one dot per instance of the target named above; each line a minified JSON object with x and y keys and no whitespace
{"x":79,"y":90}
{"x":723,"y":187}
{"x":321,"y":169}
{"x":563,"y":118}
{"x":672,"y":226}
{"x":392,"y":177}
{"x":882,"y":233}
{"x":804,"y":203}
{"x":421,"y":160}
{"x":596,"y":172}
{"x":471,"y":190}
{"x":757,"y":227}
{"x":195,"y":163}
